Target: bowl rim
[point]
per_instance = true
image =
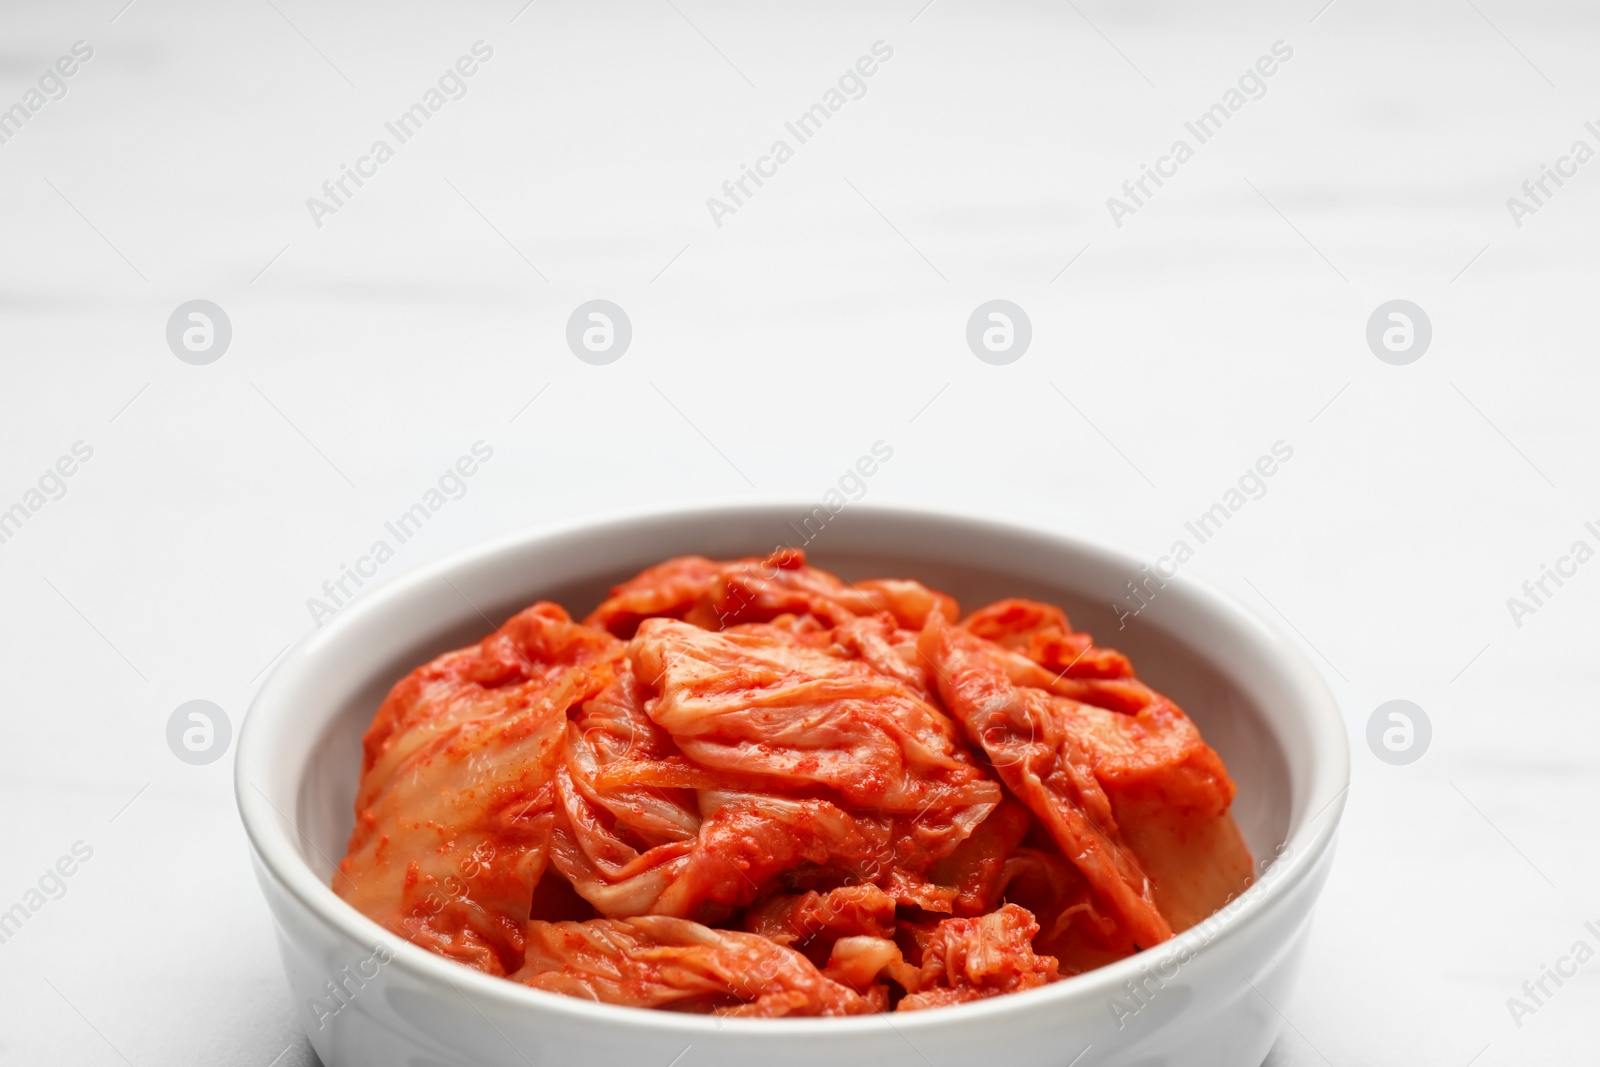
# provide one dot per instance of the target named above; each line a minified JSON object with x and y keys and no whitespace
{"x":1302,"y":851}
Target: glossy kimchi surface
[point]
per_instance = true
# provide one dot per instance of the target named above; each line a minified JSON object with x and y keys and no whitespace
{"x":753,"y":788}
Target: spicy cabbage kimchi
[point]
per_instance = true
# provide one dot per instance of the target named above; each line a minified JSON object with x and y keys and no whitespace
{"x":753,"y":788}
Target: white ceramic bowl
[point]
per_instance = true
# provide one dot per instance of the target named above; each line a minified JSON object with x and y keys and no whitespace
{"x":1204,"y":999}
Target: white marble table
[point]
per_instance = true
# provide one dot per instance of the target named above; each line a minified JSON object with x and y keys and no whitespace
{"x":376,"y":338}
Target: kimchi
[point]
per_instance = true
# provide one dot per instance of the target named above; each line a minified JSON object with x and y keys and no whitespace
{"x":754,"y":788}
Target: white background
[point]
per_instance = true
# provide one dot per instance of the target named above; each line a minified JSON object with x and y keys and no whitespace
{"x":828,"y":313}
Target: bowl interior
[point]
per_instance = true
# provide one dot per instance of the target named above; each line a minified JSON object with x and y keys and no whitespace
{"x":1219,"y":665}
